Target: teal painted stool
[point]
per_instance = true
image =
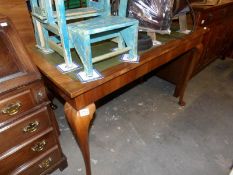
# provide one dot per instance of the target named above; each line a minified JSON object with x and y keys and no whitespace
{"x":81,"y":35}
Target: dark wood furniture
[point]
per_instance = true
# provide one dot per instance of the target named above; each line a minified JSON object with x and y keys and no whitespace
{"x":28,"y":129}
{"x":80,"y":98}
{"x":17,"y":11}
{"x":218,"y":42}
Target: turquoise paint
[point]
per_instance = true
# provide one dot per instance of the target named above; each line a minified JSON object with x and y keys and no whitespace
{"x":49,"y":12}
{"x":130,"y":36}
{"x":84,"y":50}
{"x":107,"y":35}
{"x":80,"y":35}
{"x":122,"y":8}
{"x":61,"y":19}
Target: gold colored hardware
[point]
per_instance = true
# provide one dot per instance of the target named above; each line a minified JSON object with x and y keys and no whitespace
{"x":12,"y":108}
{"x":40,"y":95}
{"x":46,"y":163}
{"x":31,"y":127}
{"x":38,"y":147}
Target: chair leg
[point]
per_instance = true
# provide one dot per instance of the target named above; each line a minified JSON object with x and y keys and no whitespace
{"x":41,"y":35}
{"x":120,"y":42}
{"x":61,"y":20}
{"x":82,"y":44}
{"x":88,"y":68}
{"x":130,"y":36}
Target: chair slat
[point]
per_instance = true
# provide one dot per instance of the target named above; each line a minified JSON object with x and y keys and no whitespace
{"x":80,"y":35}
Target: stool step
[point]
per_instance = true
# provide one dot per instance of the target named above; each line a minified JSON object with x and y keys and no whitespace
{"x":111,"y":54}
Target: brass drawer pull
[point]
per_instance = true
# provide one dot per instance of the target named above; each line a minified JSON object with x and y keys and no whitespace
{"x":46,"y":163}
{"x":38,"y":147}
{"x":31,"y":127}
{"x":12,"y":108}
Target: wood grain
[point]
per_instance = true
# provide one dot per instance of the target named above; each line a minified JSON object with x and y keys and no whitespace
{"x":114,"y":77}
{"x":26,"y":70}
{"x":17,"y":11}
{"x":24,"y":110}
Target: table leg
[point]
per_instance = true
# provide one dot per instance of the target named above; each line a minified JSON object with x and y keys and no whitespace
{"x":51,"y":98}
{"x":180,"y":88}
{"x":80,"y":122}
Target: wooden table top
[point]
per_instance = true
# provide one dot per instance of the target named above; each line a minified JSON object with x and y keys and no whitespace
{"x":116,"y":74}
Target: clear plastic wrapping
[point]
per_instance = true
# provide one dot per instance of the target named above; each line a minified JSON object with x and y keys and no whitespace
{"x":153,"y":15}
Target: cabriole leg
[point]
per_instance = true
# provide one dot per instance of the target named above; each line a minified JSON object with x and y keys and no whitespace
{"x":80,"y":122}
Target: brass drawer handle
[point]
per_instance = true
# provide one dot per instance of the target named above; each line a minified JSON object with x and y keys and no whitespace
{"x":46,"y":163}
{"x":12,"y":108}
{"x":31,"y":127}
{"x":38,"y":147}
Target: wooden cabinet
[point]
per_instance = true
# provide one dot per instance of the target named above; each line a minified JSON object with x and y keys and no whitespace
{"x":28,"y":129}
{"x":218,"y":42}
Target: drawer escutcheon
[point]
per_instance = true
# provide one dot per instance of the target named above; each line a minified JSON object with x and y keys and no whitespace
{"x":12,"y":108}
{"x":38,"y":147}
{"x":31,"y":127}
{"x":46,"y":163}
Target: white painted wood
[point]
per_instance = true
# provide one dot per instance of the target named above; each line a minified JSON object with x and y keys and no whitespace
{"x":111,"y":54}
{"x":152,"y":35}
{"x":183,"y":22}
{"x":56,"y":47}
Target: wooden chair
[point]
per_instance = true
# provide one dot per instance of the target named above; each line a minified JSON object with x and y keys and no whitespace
{"x":42,"y":9}
{"x":44,"y":18}
{"x":80,"y":35}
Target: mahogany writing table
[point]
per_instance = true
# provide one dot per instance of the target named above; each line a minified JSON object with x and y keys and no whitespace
{"x":80,"y":98}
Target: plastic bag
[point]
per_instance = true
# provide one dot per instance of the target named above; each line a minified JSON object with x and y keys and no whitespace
{"x":153,"y":15}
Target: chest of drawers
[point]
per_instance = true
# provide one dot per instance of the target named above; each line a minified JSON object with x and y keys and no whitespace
{"x":28,"y":129}
{"x":218,"y":42}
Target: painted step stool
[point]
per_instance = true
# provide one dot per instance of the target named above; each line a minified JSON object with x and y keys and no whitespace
{"x":84,"y":33}
{"x":80,"y":35}
{"x":45,"y":20}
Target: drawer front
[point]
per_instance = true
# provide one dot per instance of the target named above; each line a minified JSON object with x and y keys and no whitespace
{"x":16,"y":103}
{"x":24,"y":128}
{"x":40,"y":164}
{"x":211,"y":16}
{"x":27,"y":151}
{"x":208,"y":18}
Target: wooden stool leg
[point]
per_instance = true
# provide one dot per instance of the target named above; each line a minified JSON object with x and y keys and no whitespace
{"x":80,"y":122}
{"x":183,"y":23}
